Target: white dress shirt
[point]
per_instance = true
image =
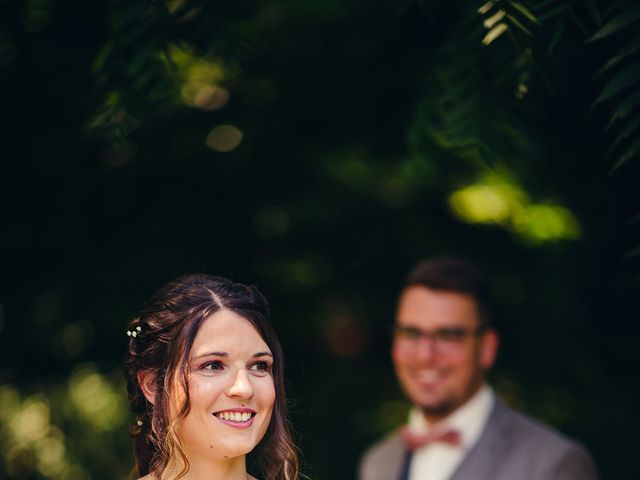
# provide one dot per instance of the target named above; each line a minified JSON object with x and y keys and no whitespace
{"x":438,"y":460}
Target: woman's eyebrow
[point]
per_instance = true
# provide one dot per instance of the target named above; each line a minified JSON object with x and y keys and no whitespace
{"x":262,"y":354}
{"x":225,"y":354}
{"x":211,"y":354}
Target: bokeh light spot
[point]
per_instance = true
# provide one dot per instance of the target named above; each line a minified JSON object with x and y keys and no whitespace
{"x":496,"y":199}
{"x":32,"y":420}
{"x":211,"y":97}
{"x":199,"y":77}
{"x":493,"y":200}
{"x":547,"y":222}
{"x":224,"y":138}
{"x":47,"y":307}
{"x":294,"y":274}
{"x":76,"y":337}
{"x":38,"y":15}
{"x":19,"y":461}
{"x":311,"y":271}
{"x":9,"y":402}
{"x":101,"y":406}
{"x":119,"y":154}
{"x":50,"y":454}
{"x":390,"y":415}
{"x":346,"y":337}
{"x":271,"y":221}
{"x":480,"y":204}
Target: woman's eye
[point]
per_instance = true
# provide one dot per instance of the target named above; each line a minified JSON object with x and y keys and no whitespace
{"x":213,"y":366}
{"x":260,"y":367}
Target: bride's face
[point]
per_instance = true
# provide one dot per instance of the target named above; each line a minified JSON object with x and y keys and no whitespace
{"x":231,"y":389}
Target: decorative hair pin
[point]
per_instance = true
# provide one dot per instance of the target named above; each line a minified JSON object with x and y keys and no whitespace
{"x":134,"y":333}
{"x":139,"y":422}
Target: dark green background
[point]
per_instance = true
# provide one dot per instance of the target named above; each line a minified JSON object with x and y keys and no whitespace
{"x":359,"y":120}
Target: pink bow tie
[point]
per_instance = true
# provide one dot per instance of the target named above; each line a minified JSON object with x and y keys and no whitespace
{"x":414,"y":440}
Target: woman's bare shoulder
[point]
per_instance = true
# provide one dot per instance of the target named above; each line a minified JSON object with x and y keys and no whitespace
{"x":149,"y":477}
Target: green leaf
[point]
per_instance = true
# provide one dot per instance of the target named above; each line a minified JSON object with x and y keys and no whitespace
{"x":493,"y":19}
{"x":625,"y":107}
{"x":623,"y":80}
{"x":611,"y":7}
{"x":494,"y":33}
{"x":628,"y":129}
{"x":102,"y":57}
{"x":627,"y":50}
{"x":592,"y":8}
{"x":578,"y":23}
{"x":633,"y":220}
{"x":486,"y":7}
{"x":554,"y":12}
{"x":632,"y":151}
{"x":134,"y":36}
{"x":632,"y":253}
{"x":525,"y":11}
{"x":617,"y":23}
{"x":542,"y":4}
{"x":517,"y":23}
{"x":558,"y":32}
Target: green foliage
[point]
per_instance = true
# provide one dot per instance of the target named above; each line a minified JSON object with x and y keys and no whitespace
{"x":60,"y":430}
{"x":622,"y":87}
{"x":459,"y":112}
{"x":499,"y":14}
{"x":475,"y":95}
{"x":129,"y":68}
{"x":456,"y":116}
{"x":621,"y":71}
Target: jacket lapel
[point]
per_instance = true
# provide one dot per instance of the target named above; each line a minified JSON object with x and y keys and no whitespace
{"x":389,"y":462}
{"x":480,"y":461}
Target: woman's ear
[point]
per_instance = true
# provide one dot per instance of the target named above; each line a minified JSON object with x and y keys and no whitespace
{"x":147,"y":381}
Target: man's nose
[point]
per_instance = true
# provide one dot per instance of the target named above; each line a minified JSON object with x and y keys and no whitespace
{"x":426,"y":348}
{"x":242,"y":386}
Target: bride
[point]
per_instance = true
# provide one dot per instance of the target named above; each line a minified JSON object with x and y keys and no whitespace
{"x":205,"y":379}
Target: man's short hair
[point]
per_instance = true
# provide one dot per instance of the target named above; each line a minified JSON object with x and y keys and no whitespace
{"x":454,"y":274}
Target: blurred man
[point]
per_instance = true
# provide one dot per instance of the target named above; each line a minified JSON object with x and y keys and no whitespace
{"x":444,"y":343}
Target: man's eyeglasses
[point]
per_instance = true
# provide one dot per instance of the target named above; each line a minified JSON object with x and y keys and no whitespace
{"x":445,"y":340}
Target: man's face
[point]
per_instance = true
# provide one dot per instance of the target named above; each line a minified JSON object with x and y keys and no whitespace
{"x":440,"y":353}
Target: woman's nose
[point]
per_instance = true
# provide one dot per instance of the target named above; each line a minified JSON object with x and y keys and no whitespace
{"x":241,"y":386}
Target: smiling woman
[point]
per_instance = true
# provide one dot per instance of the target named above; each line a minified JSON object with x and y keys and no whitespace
{"x":205,"y":378}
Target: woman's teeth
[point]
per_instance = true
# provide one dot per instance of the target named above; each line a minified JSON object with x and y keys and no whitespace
{"x":234,"y":416}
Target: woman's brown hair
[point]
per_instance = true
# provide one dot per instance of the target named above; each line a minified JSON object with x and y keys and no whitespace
{"x":160,"y":342}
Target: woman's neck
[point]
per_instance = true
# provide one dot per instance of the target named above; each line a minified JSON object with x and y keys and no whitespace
{"x":211,"y":469}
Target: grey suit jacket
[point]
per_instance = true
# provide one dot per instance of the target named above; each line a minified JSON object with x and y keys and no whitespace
{"x":511,"y":447}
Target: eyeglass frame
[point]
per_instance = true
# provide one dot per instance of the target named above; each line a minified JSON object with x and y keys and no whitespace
{"x":438,"y":336}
